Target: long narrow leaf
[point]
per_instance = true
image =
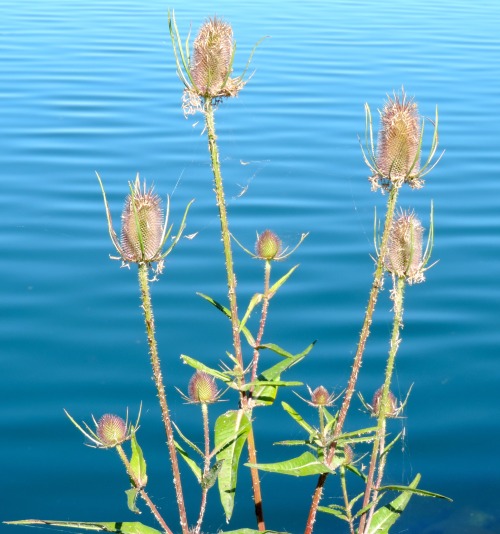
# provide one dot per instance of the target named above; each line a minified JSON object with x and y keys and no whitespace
{"x":304,"y":465}
{"x":133,"y":527}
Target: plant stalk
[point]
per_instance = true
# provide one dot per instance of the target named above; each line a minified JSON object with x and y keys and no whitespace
{"x":162,"y":396}
{"x":378,"y":456}
{"x":231,"y":284}
{"x":142,"y":491}
{"x":358,"y":358}
{"x":206,"y":467}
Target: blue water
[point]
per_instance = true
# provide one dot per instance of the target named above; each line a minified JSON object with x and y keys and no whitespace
{"x":88,"y":86}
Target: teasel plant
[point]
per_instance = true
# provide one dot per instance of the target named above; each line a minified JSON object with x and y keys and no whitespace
{"x":406,"y":261}
{"x":393,"y":161}
{"x":144,"y":235}
{"x":206,"y":75}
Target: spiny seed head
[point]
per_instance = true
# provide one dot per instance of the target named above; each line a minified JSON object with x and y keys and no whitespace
{"x":268,"y":245}
{"x":212,"y":57}
{"x":391,"y":408}
{"x":142,"y":223}
{"x":405,"y":249}
{"x":399,"y":139}
{"x":202,"y":388}
{"x":320,"y":397}
{"x":111,"y":430}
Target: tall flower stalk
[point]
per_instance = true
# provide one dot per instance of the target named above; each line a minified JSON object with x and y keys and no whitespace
{"x":395,"y":161}
{"x":207,"y":80}
{"x":143,"y":238}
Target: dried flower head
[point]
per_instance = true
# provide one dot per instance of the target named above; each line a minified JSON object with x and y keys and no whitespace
{"x":404,"y":256}
{"x":399,"y":139}
{"x":213,"y":51}
{"x":144,"y":229}
{"x":112,"y":430}
{"x":397,"y":157}
{"x":392,"y":408}
{"x":207,"y":74}
{"x":202,"y":388}
{"x":142,"y":226}
{"x":268,"y":246}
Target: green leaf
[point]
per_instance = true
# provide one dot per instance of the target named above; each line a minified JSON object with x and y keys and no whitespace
{"x":227,"y":313}
{"x":188,"y":441}
{"x":119,"y":527}
{"x":265,"y":395}
{"x":304,"y":465}
{"x":416,"y":491}
{"x":202,"y":367}
{"x":252,"y":531}
{"x":254,"y":301}
{"x":385,"y":517}
{"x":268,"y":383}
{"x":132,"y":500}
{"x":137,"y":463}
{"x":333,"y":511}
{"x":281,"y":281}
{"x":232,"y":427}
{"x":299,"y":419}
{"x":190,"y":462}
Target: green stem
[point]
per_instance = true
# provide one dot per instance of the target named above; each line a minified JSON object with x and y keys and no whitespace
{"x":263,"y":319}
{"x":142,"y":491}
{"x":378,"y":456}
{"x":358,"y":358}
{"x":231,"y":284}
{"x":206,"y":467}
{"x":347,"y":505}
{"x":162,"y":396}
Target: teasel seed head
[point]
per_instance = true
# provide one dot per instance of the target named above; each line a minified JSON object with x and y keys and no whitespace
{"x":391,"y":408}
{"x":398,"y":156}
{"x":404,"y":257}
{"x":112,"y":430}
{"x":321,"y":397}
{"x":142,"y":225}
{"x":202,"y":388}
{"x":213,"y":51}
{"x":268,"y":246}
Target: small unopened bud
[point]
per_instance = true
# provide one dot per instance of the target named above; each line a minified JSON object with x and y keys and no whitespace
{"x":348,"y":455}
{"x":391,"y":407}
{"x":268,"y":245}
{"x":142,"y":226}
{"x":111,"y":430}
{"x":212,"y":57}
{"x":399,"y":140}
{"x":202,"y":388}
{"x":320,"y":397}
{"x":404,"y":252}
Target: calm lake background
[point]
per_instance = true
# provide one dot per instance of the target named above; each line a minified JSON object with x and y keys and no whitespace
{"x":88,"y":86}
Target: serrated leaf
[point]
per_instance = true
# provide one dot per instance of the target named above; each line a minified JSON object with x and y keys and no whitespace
{"x":304,"y":465}
{"x":132,"y":500}
{"x":232,"y":427}
{"x":189,"y":461}
{"x":385,"y":517}
{"x":299,"y":419}
{"x":137,"y":463}
{"x":131,"y":527}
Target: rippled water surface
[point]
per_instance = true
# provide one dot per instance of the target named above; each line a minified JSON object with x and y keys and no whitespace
{"x":88,"y":86}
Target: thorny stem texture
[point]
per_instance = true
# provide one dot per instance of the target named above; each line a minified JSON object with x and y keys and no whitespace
{"x":206,"y":466}
{"x":142,"y":491}
{"x":379,"y":442}
{"x":347,"y":505}
{"x":263,"y":318}
{"x":162,"y":396}
{"x":365,"y":332}
{"x":231,"y":284}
